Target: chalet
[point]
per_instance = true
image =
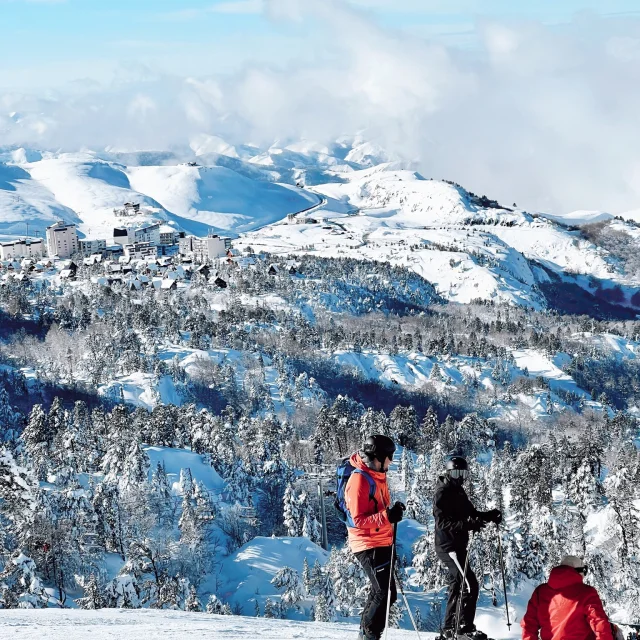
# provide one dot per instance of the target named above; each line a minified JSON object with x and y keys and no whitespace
{"x":168,"y":285}
{"x":220,"y":283}
{"x":273,"y":270}
{"x":67,"y":274}
{"x":71,"y":265}
{"x":134,"y":285}
{"x":244,"y":263}
{"x":204,"y":270}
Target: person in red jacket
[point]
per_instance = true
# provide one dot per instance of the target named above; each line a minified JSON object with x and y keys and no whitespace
{"x":564,"y":608}
{"x":371,"y":537}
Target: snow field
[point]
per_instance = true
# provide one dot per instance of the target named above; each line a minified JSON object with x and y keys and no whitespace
{"x":133,"y":624}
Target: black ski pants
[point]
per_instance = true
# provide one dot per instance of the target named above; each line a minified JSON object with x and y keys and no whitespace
{"x":469,"y":598}
{"x":377,"y":565}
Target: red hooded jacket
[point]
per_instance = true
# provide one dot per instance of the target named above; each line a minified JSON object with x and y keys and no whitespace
{"x":373,"y":528}
{"x":565,"y":609}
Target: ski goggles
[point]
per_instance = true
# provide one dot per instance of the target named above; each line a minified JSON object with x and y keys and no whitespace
{"x":458,"y":473}
{"x":583,"y":570}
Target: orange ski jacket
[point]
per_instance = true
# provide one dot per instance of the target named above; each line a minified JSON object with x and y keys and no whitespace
{"x":372,"y":527}
{"x":565,"y":609}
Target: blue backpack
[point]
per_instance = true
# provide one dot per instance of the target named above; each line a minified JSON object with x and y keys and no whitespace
{"x":343,"y":472}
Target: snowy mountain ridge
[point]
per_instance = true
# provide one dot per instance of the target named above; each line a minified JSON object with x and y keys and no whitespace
{"x":470,"y":247}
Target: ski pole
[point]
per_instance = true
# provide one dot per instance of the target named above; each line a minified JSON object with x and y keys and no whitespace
{"x":454,"y":557}
{"x":504,"y":582}
{"x":406,"y":604}
{"x":393,"y":553}
{"x":461,"y":596}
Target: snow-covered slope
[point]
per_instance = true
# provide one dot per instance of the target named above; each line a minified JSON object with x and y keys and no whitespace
{"x":133,"y":624}
{"x":85,"y":188}
{"x":217,"y":197}
{"x":469,"y":247}
{"x":24,"y":201}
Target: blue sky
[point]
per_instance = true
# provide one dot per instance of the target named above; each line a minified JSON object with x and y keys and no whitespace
{"x":48,"y":43}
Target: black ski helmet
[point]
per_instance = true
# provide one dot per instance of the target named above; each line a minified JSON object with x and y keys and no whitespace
{"x":457,"y":463}
{"x":379,"y":447}
{"x":457,"y":468}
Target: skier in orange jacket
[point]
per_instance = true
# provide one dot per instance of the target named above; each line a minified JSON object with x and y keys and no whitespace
{"x":371,"y":536}
{"x":564,"y":608}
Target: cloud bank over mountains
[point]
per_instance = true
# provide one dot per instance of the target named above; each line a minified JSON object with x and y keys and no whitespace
{"x":542,"y":115}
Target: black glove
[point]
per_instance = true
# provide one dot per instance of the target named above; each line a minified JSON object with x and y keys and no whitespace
{"x":495,"y":515}
{"x":475,"y":524}
{"x":395,"y":513}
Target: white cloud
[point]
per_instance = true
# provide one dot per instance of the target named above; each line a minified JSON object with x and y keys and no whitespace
{"x":542,"y":116}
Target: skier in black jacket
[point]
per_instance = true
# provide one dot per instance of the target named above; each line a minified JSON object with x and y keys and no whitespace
{"x":455,"y":516}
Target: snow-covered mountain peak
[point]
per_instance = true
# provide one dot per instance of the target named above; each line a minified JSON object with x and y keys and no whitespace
{"x":417,"y":201}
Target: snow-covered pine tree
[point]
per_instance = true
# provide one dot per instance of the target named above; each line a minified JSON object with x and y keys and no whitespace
{"x":161,"y":496}
{"x":292,"y":516}
{"x":92,"y":598}
{"x":118,"y":443}
{"x":38,"y":440}
{"x":436,"y":374}
{"x":185,"y":483}
{"x":135,"y":468}
{"x":306,"y":576}
{"x":322,"y":610}
{"x":270,"y":609}
{"x":429,"y":430}
{"x":310,"y":526}
{"x":429,"y":573}
{"x":287,"y":580}
{"x":215,"y":606}
{"x":419,"y":496}
{"x":317,"y":579}
{"x":404,"y":426}
{"x":406,"y":471}
{"x":348,"y":580}
{"x":122,"y":592}
{"x":9,"y":418}
{"x":193,"y":603}
{"x":20,"y":586}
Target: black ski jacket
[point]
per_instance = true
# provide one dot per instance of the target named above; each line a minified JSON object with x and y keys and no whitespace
{"x":452,"y":510}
